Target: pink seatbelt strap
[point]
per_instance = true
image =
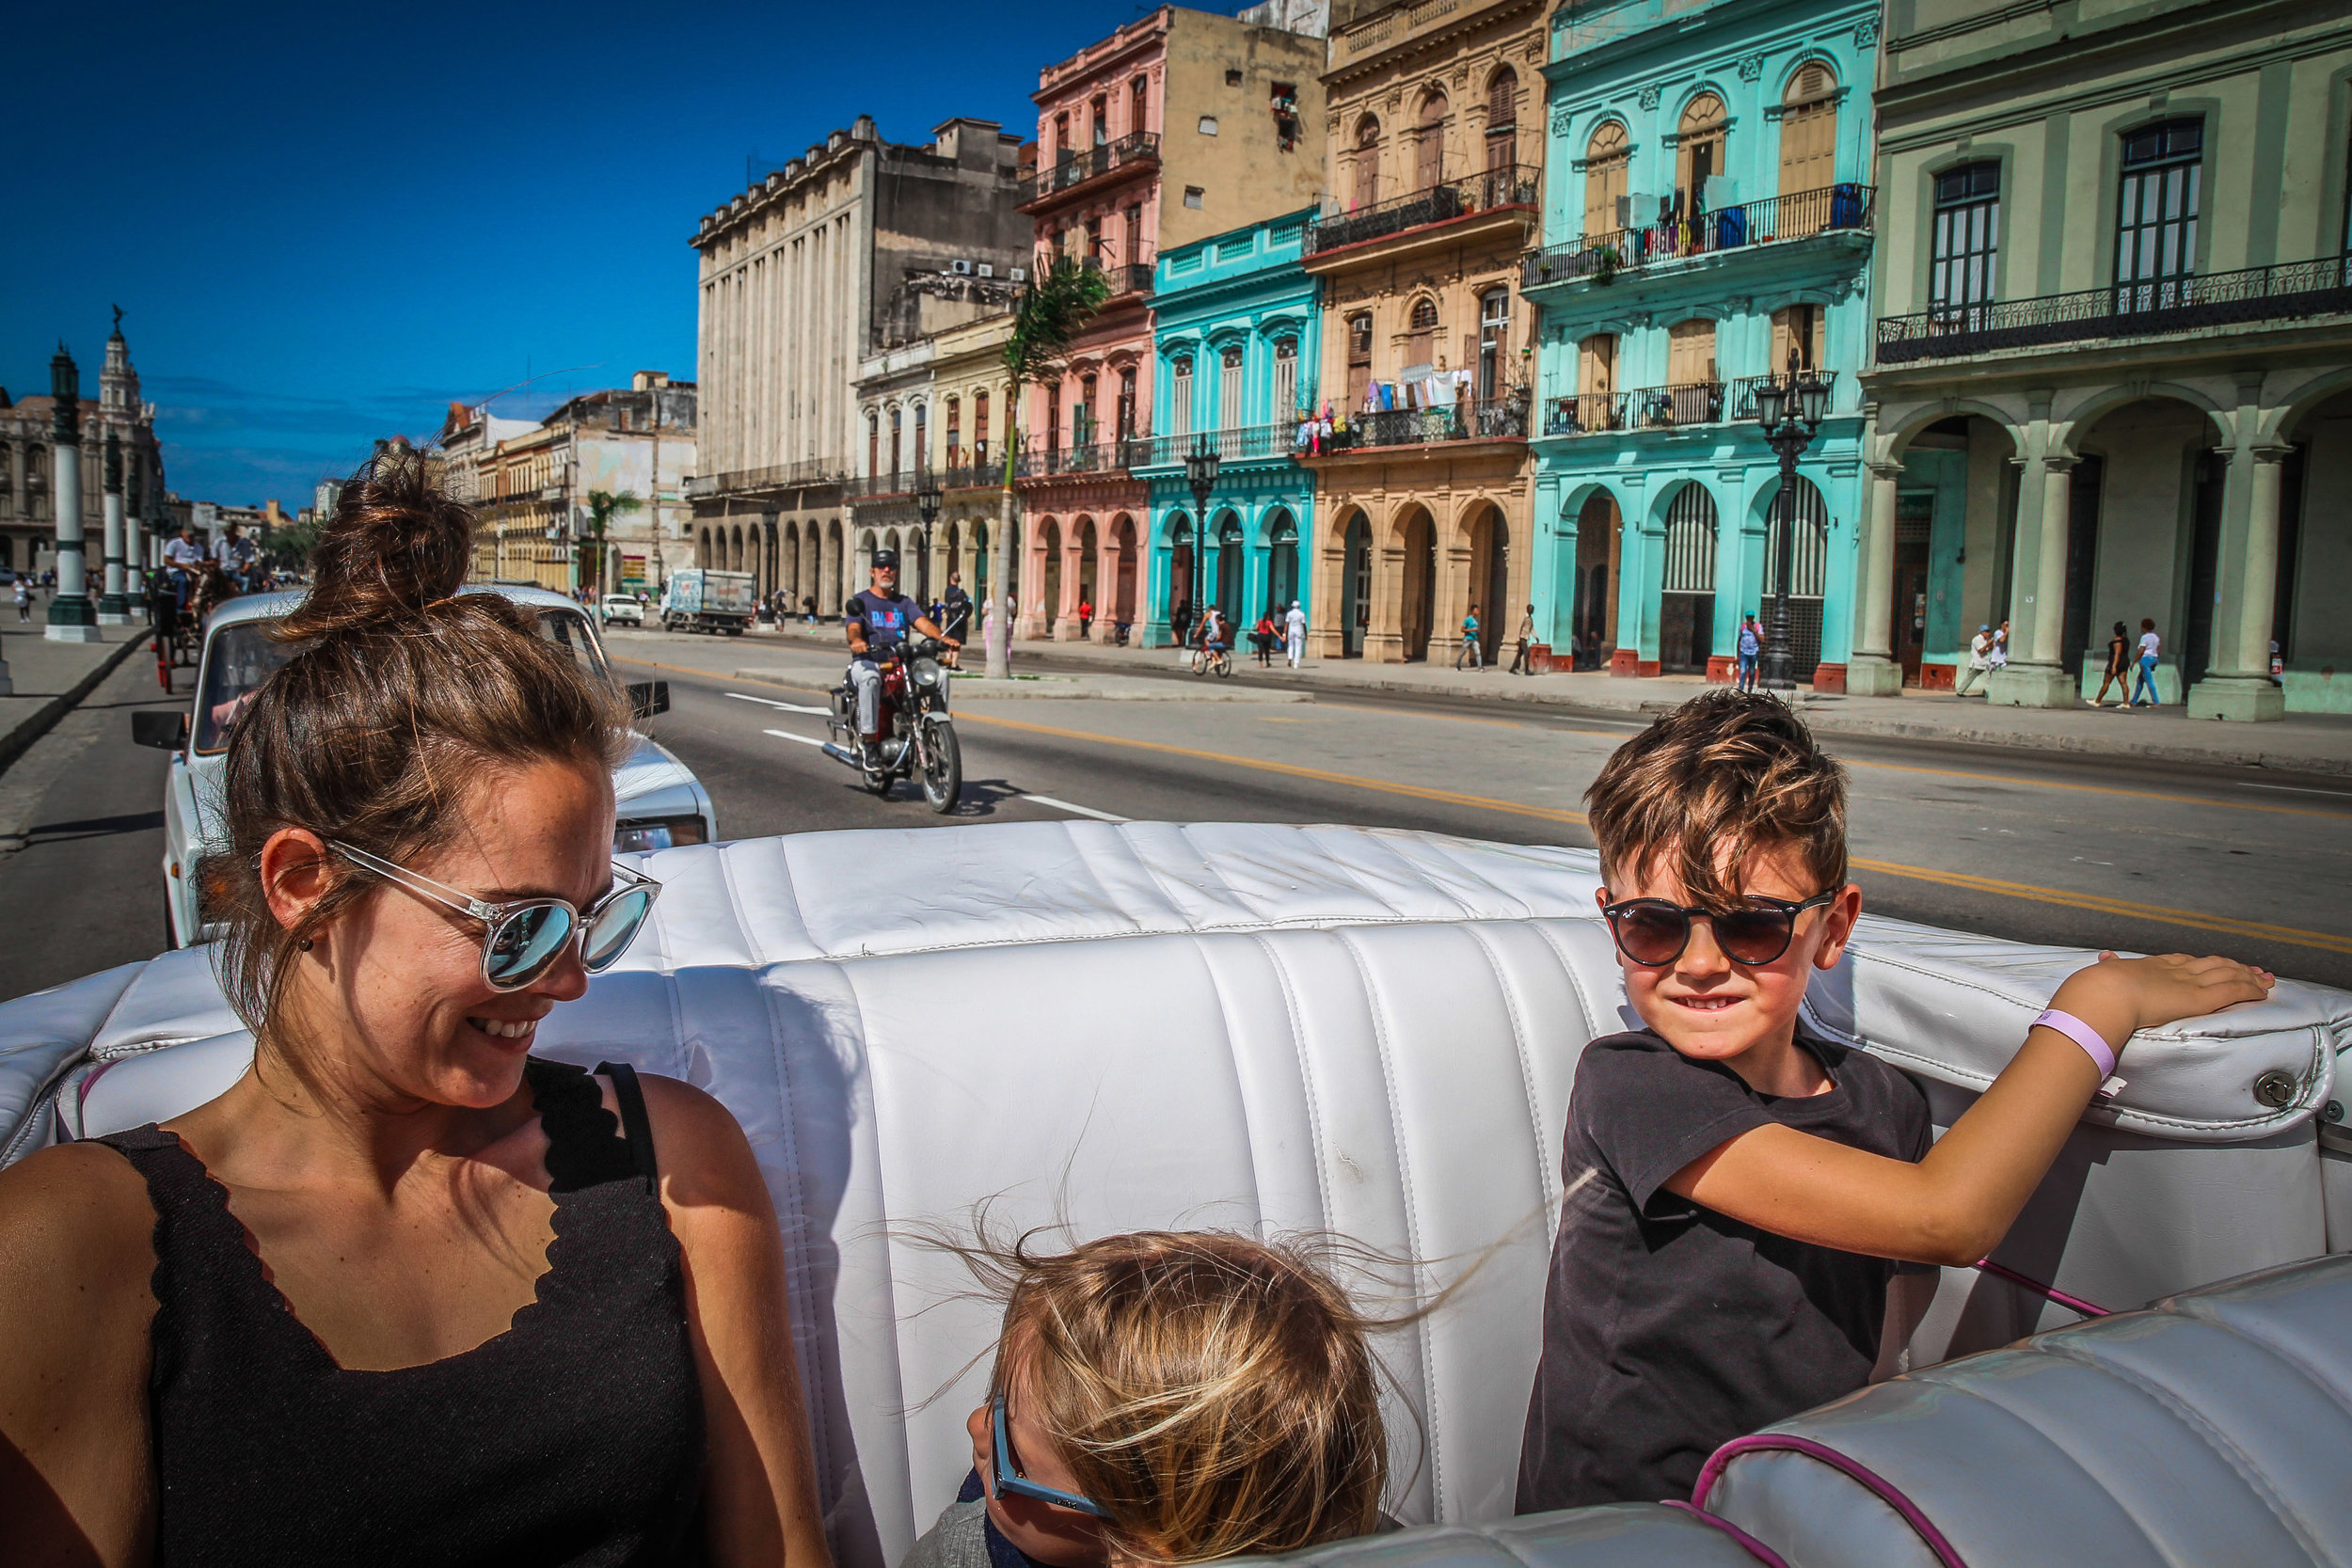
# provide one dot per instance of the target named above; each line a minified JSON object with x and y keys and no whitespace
{"x":2076,"y":1303}
{"x":1884,"y":1489}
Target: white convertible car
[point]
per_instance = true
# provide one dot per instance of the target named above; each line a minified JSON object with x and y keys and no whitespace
{"x":1375,"y":1033}
{"x":662,"y":801}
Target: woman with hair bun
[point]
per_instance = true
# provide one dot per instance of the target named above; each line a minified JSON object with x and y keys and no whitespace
{"x":406,"y":1293}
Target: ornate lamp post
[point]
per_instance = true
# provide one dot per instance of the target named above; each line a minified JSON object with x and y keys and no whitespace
{"x":113,"y":610}
{"x":71,"y":617}
{"x":1201,"y":474}
{"x":1789,"y":411}
{"x":927,"y":506}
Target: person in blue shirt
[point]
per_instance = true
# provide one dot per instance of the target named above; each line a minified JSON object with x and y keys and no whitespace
{"x":876,"y":620}
{"x":1751,"y":648}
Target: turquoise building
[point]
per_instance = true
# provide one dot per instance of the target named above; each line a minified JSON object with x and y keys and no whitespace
{"x":1709,"y":200}
{"x":1236,"y":339}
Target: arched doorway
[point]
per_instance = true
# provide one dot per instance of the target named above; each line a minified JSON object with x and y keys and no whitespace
{"x":1418,"y":584}
{"x":1180,"y":567}
{"x":1808,"y":575}
{"x":1123,"y":608}
{"x":1281,"y":566}
{"x":1089,"y":554}
{"x":1490,"y":578}
{"x":1229,"y":567}
{"x":1686,"y":611}
{"x":1049,"y":600}
{"x":1355,"y":585}
{"x":1593,"y":618}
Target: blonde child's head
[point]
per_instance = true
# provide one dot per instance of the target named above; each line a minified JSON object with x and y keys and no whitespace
{"x":1210,"y":1393}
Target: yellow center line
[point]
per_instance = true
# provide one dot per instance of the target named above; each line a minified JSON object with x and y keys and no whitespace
{"x":2093,"y":903}
{"x":2094,"y":789}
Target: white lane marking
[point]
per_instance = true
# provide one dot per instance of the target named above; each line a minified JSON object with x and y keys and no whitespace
{"x":2295,"y":789}
{"x":1081,"y":811}
{"x":788,"y":735}
{"x":770,"y":702}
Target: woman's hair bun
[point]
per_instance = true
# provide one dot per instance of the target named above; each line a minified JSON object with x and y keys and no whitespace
{"x":395,"y":544}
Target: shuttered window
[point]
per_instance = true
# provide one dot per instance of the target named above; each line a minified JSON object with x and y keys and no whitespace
{"x":1180,"y":414}
{"x":1359,"y":357}
{"x":1690,"y":542}
{"x":1502,"y":114}
{"x":1420,"y":344}
{"x":1699,"y":148}
{"x":1430,"y":146}
{"x":1367,"y":162}
{"x":1606,"y":161}
{"x":1802,"y":327}
{"x":1690,"y":353}
{"x":1808,"y":137}
{"x":1229,"y":411}
{"x":1286,"y":379}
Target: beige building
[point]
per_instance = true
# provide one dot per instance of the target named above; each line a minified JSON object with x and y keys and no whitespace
{"x":1422,"y":506}
{"x":855,"y":247}
{"x":28,"y":523}
{"x":2113,"y":367}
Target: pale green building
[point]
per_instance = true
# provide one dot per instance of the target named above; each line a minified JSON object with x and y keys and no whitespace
{"x":2112,"y":371}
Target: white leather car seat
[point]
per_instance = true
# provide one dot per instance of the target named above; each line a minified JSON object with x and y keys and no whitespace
{"x":1269,"y":1027}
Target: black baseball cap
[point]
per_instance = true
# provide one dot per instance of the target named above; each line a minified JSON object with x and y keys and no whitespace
{"x":885,"y":561}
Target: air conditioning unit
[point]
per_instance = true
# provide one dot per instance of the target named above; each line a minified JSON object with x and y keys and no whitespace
{"x":1019,"y":275}
{"x":988,"y":269}
{"x":961,"y":267}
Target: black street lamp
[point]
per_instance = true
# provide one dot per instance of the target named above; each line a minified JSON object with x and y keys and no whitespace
{"x":1789,"y":411}
{"x":1200,"y":473}
{"x":927,"y":506}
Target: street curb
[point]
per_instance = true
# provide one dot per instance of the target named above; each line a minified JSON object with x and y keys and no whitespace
{"x":1067,"y":688}
{"x":19,"y":740}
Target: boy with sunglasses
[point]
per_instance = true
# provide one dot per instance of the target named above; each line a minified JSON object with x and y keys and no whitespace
{"x":1751,"y":1216}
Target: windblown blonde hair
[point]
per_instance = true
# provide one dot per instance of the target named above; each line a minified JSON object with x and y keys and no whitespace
{"x":1216,"y":1393}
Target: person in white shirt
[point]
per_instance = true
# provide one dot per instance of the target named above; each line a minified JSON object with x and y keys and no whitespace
{"x":2000,"y":646}
{"x":184,"y":559}
{"x":1980,"y":661}
{"x":235,"y":554}
{"x":1295,"y":630}
{"x":2150,"y":647}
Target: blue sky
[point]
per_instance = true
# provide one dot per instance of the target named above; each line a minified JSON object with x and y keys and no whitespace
{"x":326,"y":222}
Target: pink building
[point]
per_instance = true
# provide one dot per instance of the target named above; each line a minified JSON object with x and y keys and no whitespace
{"x":1180,"y":125}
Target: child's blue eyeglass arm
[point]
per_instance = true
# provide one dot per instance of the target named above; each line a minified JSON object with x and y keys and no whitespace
{"x":1003,"y":1482}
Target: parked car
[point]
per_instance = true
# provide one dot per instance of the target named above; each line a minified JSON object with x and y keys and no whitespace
{"x":623,"y":608}
{"x":1375,"y":1033}
{"x":662,"y":802}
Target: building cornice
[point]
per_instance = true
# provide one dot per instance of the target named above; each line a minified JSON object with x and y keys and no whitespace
{"x":1500,"y":16}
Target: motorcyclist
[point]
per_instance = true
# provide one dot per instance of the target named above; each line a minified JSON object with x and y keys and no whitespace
{"x":876,"y":621}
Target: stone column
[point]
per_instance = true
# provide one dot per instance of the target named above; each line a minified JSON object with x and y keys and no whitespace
{"x":2237,"y":686}
{"x":1873,"y":672}
{"x":113,"y":610}
{"x":71,"y":617}
{"x":2037,"y":590}
{"x":133,"y":538}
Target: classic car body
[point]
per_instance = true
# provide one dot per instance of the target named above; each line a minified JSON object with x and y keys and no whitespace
{"x":662,"y":802}
{"x":1302,"y":1028}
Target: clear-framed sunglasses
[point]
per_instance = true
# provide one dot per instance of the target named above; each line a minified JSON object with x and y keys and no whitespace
{"x":522,"y":939}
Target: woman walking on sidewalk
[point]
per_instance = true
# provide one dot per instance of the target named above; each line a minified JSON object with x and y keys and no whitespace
{"x":2119,"y":671}
{"x":2151,"y":648}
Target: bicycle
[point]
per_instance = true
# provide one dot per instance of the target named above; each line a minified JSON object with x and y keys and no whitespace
{"x":1215,"y":656}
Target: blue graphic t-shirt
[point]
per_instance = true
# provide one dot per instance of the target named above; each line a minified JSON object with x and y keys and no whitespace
{"x":1749,"y":645}
{"x":887,"y":621}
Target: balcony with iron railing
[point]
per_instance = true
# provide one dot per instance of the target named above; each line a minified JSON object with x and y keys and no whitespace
{"x":1839,"y":214}
{"x":1696,"y":402}
{"x":1126,"y":277}
{"x":1081,"y":167}
{"x":2279,"y":294}
{"x":1235,"y":444}
{"x":813,"y":471}
{"x":1499,"y":418}
{"x":1509,"y":188}
{"x":1095,"y":459}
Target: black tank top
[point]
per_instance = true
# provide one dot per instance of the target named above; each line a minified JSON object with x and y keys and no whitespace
{"x":573,"y":1438}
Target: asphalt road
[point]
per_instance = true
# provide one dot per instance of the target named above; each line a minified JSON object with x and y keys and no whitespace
{"x":2038,"y":847}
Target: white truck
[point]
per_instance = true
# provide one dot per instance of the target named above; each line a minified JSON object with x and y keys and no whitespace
{"x":698,"y":599}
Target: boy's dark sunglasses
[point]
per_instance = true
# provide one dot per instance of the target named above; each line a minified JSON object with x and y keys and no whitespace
{"x":1651,"y":931}
{"x":1004,"y":1481}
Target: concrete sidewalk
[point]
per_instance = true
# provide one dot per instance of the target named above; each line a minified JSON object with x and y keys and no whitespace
{"x":2302,"y":742}
{"x":51,"y":677}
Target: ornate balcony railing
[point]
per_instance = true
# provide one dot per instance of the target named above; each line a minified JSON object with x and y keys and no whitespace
{"x":1780,"y":219}
{"x":1695,"y":402}
{"x":1141,"y":147}
{"x":780,"y":476}
{"x":2284,"y":291}
{"x":1502,"y":419}
{"x":1238,"y":444}
{"x":1126,"y":277}
{"x":1111,"y":458}
{"x":1510,"y":185}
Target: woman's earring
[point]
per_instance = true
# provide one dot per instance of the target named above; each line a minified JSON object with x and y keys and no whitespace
{"x":305,"y":944}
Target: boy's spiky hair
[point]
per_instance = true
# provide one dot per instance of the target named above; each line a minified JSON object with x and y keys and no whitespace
{"x":1725,"y":775}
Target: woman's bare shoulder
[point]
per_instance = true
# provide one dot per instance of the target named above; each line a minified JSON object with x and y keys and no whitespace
{"x":73,"y":1219}
{"x":704,"y":1156}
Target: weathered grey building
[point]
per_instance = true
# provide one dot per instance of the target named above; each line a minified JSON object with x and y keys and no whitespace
{"x":855,"y":246}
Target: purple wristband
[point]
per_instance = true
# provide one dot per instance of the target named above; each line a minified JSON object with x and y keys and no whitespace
{"x":2102,"y":1054}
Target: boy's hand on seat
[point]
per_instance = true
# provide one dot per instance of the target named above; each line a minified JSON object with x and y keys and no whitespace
{"x":2129,"y":994}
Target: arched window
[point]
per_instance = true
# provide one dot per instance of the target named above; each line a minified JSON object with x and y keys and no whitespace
{"x":895,"y":452}
{"x":1808,"y":139}
{"x":956,"y":457}
{"x":1607,"y":158}
{"x":1699,"y":150}
{"x":1503,"y":118}
{"x":1127,"y":403}
{"x":1229,"y":389}
{"x":873,"y":443}
{"x":979,"y":427}
{"x":1429,"y":147}
{"x":1421,"y":344}
{"x":1359,"y":357}
{"x":1367,"y":162}
{"x":920,"y":458}
{"x":1286,"y":404}
{"x":1180,"y":398}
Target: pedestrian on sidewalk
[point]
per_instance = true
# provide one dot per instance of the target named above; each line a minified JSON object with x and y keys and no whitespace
{"x":958,"y":607}
{"x":808,"y":607}
{"x":1294,"y":627}
{"x":1751,"y":650}
{"x":24,"y":601}
{"x":1181,"y":622}
{"x":2000,"y":646}
{"x":2119,"y":671}
{"x":1262,"y":637}
{"x":1469,"y":648}
{"x":1980,"y":661}
{"x":2150,"y":647}
{"x":1523,"y":662}
{"x":1086,"y":617}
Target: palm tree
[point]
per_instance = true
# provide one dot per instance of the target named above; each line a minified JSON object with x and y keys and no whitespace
{"x":1060,"y":300}
{"x":604,"y":506}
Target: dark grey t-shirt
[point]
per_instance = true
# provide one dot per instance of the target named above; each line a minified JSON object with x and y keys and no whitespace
{"x":1670,"y":1329}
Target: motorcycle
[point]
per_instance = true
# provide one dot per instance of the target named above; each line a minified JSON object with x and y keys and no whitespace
{"x":918,"y":737}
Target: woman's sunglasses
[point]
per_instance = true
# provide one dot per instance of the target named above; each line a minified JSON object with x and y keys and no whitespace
{"x":522,"y":939}
{"x":1651,"y":931}
{"x":1005,"y":1481}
